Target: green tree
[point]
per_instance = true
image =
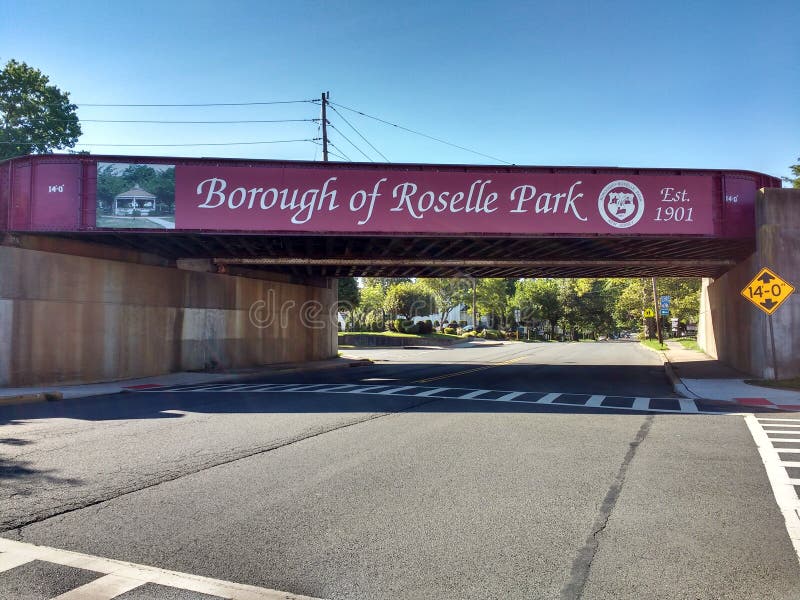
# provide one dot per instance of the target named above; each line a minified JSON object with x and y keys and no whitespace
{"x":448,"y":293}
{"x":408,"y":299}
{"x":349,"y":296}
{"x":795,"y":179}
{"x":538,"y":300}
{"x":493,"y":299}
{"x":35,"y":117}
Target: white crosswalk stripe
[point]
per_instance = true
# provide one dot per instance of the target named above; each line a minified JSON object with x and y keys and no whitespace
{"x":118,"y":577}
{"x":783,"y":486}
{"x":595,"y":401}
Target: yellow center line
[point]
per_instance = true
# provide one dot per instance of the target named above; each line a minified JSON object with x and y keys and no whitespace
{"x":491,"y":366}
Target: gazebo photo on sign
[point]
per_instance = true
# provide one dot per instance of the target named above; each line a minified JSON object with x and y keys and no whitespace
{"x":135,"y":195}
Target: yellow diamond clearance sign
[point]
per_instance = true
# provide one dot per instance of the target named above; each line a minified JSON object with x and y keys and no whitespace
{"x":767,"y":291}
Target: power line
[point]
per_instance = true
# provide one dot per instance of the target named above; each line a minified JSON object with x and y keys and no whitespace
{"x":183,"y":145}
{"x":198,"y":122}
{"x":350,"y":142}
{"x":347,"y":158}
{"x":201,"y":104}
{"x":336,"y":155}
{"x":359,"y":133}
{"x":425,"y":135}
{"x":331,"y":152}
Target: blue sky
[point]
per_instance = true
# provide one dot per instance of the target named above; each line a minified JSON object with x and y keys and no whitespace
{"x":697,"y":84}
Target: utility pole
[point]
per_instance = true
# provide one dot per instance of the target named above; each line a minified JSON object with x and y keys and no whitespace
{"x":657,"y":311}
{"x":325,"y":98}
{"x":474,"y":305}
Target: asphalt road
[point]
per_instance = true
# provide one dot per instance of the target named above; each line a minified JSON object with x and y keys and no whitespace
{"x":402,"y":495}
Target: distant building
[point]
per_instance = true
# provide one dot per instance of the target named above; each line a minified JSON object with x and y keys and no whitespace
{"x":135,"y":199}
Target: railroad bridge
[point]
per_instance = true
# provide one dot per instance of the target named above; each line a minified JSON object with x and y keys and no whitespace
{"x":123,"y":266}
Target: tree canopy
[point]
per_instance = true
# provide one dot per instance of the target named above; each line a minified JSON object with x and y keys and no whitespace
{"x":795,"y":179}
{"x":35,"y":117}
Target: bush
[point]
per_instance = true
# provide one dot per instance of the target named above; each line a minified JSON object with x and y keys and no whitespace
{"x":398,"y":325}
{"x":437,"y":324}
{"x":450,"y":330}
{"x":462,"y":323}
{"x":412,"y":328}
{"x":428,"y":326}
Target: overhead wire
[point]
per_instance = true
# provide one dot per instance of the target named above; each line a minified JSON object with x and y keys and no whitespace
{"x":199,"y":122}
{"x":347,"y":158}
{"x":194,"y":144}
{"x":341,"y":116}
{"x":425,"y":135}
{"x":369,"y":158}
{"x":331,"y":152}
{"x":197,"y":104}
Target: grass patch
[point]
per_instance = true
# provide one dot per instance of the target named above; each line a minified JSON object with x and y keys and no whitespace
{"x":398,"y":335}
{"x":689,"y":344}
{"x":654,"y":344}
{"x":780,"y":384}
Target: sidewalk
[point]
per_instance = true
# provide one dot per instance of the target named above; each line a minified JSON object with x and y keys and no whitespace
{"x":696,"y":375}
{"x":26,"y":395}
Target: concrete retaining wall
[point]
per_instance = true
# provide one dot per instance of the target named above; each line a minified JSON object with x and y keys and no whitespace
{"x":734,"y":330}
{"x":67,"y":318}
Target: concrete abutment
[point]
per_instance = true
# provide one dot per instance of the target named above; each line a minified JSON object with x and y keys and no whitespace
{"x":734,"y":330}
{"x":77,"y":314}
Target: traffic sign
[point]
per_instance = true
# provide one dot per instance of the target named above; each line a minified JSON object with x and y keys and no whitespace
{"x":664,"y":311}
{"x":767,"y":291}
{"x":649,"y":313}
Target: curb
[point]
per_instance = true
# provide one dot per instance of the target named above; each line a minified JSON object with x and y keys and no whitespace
{"x":31,"y":398}
{"x":677,"y":383}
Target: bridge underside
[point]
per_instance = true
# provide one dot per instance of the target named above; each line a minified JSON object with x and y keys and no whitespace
{"x":443,"y":256}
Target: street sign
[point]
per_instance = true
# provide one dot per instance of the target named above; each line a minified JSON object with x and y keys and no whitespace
{"x":665,"y":302}
{"x":664,"y":311}
{"x":767,"y":291}
{"x":649,"y":313}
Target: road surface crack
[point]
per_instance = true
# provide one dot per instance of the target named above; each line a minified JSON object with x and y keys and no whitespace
{"x":15,"y":525}
{"x":582,"y":565}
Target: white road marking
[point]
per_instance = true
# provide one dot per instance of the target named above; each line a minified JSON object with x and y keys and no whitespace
{"x":548,"y":398}
{"x":784,"y":491}
{"x":472,"y":394}
{"x":595,"y":401}
{"x":784,"y":431}
{"x":785,"y":450}
{"x":780,"y":425}
{"x":391,"y":391}
{"x":795,"y":440}
{"x":686,"y":406}
{"x":103,"y":588}
{"x":509,"y":396}
{"x":11,"y":561}
{"x":432,"y":392}
{"x":125,"y":573}
{"x":763,"y":420}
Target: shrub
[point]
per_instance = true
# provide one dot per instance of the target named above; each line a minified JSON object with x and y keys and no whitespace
{"x":450,"y":330}
{"x":398,"y":325}
{"x":462,"y":323}
{"x":411,"y":327}
{"x":437,"y":324}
